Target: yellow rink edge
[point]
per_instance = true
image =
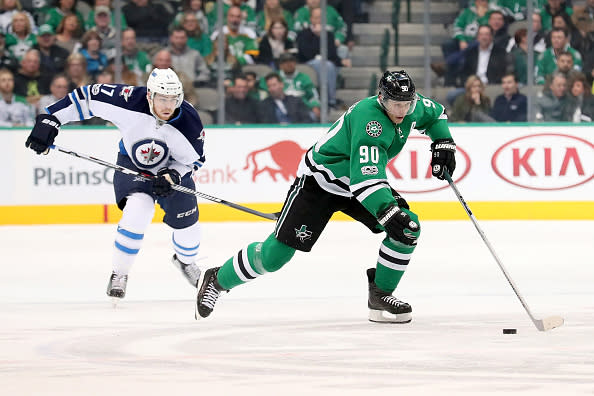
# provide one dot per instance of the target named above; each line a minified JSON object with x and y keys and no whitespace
{"x":210,"y":212}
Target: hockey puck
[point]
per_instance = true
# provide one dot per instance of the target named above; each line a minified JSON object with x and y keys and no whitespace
{"x":510,"y":331}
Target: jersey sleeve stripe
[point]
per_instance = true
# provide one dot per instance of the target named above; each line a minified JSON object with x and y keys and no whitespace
{"x":361,"y":197}
{"x":326,"y":173}
{"x":367,"y":183}
{"x":362,"y":190}
{"x":87,"y":97}
{"x":75,"y":101}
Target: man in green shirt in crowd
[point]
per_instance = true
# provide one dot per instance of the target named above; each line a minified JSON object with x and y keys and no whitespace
{"x":547,"y":61}
{"x":345,"y":171}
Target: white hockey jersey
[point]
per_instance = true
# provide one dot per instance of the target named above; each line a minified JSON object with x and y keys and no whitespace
{"x":177,"y":144}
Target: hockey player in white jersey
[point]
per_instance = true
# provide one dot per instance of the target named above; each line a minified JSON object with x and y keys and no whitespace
{"x":162,"y":135}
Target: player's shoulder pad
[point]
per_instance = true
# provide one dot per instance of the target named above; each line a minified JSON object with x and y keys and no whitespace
{"x":125,"y":96}
{"x":189,"y":124}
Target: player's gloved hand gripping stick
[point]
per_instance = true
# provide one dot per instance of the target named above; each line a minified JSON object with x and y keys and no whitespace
{"x":176,"y":187}
{"x":541,"y":324}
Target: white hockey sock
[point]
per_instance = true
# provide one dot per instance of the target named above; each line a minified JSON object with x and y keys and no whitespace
{"x":186,"y":242}
{"x":136,"y":217}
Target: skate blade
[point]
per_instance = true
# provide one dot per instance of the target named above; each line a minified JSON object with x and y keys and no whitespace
{"x":379,"y":316}
{"x":115,"y":301}
{"x":198,"y":285}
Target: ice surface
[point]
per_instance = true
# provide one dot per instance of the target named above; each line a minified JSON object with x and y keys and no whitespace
{"x":303,"y":329}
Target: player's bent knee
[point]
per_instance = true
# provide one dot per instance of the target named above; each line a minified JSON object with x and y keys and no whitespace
{"x":275,"y":254}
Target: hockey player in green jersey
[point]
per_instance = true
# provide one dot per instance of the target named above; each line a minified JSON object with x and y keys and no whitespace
{"x":346,"y":171}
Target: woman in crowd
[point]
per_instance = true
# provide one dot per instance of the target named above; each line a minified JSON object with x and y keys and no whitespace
{"x":473,"y":105}
{"x":275,"y":43}
{"x":22,"y":39}
{"x":76,"y":71}
{"x":91,"y":50}
{"x":68,"y":33}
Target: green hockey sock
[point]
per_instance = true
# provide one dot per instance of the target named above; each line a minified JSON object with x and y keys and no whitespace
{"x":392,"y":262}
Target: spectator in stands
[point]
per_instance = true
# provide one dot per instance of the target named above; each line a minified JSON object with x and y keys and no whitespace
{"x":514,"y":10}
{"x":279,"y":108}
{"x":297,"y":84}
{"x":29,"y":81}
{"x":90,"y":22}
{"x":511,"y":105}
{"x":473,"y":105}
{"x":58,"y":89}
{"x":187,"y":60}
{"x":552,"y":8}
{"x":62,"y":9}
{"x":275,"y":43}
{"x":487,"y":61}
{"x":105,"y":30}
{"x":53,"y":57}
{"x":239,"y":107}
{"x":334,"y":21}
{"x":549,"y":106}
{"x":68,"y":33}
{"x":240,"y":39}
{"x":583,"y":17}
{"x":465,"y":30}
{"x":198,"y":39}
{"x":580,"y":102}
{"x":565,"y":66}
{"x":163,"y":60}
{"x":9,"y":8}
{"x":539,"y":40}
{"x":547,"y":61}
{"x":136,"y":60}
{"x":149,"y":20}
{"x":271,"y":12}
{"x":7,"y":60}
{"x":91,"y":50}
{"x":519,"y":55}
{"x":14,"y":109}
{"x":308,"y":46}
{"x":247,"y":17}
{"x":588,"y":66}
{"x":22,"y":39}
{"x":76,"y":71}
{"x":253,"y":86}
{"x":500,"y":35}
{"x":195,"y":7}
{"x":574,"y":37}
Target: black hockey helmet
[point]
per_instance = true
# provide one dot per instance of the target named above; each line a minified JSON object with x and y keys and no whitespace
{"x":397,"y":85}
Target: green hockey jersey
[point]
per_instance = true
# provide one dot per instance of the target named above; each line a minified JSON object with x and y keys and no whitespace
{"x":351,"y":158}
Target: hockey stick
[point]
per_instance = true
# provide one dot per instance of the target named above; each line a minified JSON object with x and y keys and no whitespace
{"x":176,"y":187}
{"x":545,"y":324}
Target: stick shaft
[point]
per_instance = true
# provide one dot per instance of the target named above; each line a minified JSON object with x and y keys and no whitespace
{"x":176,"y":187}
{"x":537,"y":322}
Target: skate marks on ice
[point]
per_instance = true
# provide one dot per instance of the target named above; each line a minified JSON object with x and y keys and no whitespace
{"x":293,"y":350}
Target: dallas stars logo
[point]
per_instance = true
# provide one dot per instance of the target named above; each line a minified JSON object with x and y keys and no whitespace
{"x":302,"y":233}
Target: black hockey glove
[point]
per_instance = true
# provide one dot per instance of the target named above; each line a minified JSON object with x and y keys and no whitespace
{"x":399,"y":200}
{"x":162,"y":184}
{"x":43,"y":133}
{"x":398,"y":225}
{"x":443,"y":157}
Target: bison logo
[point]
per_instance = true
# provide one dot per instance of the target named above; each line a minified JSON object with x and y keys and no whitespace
{"x":280,"y":158}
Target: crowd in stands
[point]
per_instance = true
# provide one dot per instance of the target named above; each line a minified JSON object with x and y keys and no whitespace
{"x":49,"y":47}
{"x":489,"y":47}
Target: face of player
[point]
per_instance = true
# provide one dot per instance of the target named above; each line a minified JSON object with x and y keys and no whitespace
{"x":396,"y":110}
{"x":164,"y":106}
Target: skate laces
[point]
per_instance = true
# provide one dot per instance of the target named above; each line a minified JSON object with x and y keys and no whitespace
{"x":392,"y":301}
{"x":118,"y":281}
{"x":191,"y":271}
{"x":210,"y":295}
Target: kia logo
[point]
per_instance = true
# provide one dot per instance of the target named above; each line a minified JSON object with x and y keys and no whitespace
{"x":411,"y":168}
{"x":545,"y":161}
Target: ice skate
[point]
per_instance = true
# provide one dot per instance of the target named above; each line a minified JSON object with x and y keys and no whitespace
{"x":384,"y":307}
{"x":190,"y":271}
{"x":116,"y":287}
{"x":208,"y":292}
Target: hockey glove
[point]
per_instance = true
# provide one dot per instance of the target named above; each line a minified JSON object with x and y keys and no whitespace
{"x":162,"y":184}
{"x":43,"y":133}
{"x":398,"y":225}
{"x":443,"y":157}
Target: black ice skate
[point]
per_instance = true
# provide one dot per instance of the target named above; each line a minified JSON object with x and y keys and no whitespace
{"x":208,"y":293}
{"x":384,"y":307}
{"x":116,"y":287}
{"x":190,"y":271}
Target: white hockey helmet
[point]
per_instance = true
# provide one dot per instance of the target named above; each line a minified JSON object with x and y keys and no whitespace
{"x":164,"y":82}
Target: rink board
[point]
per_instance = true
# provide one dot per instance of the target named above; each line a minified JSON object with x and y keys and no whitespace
{"x":536,"y":171}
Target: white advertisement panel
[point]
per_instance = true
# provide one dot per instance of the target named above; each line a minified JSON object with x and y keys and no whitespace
{"x":507,"y":163}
